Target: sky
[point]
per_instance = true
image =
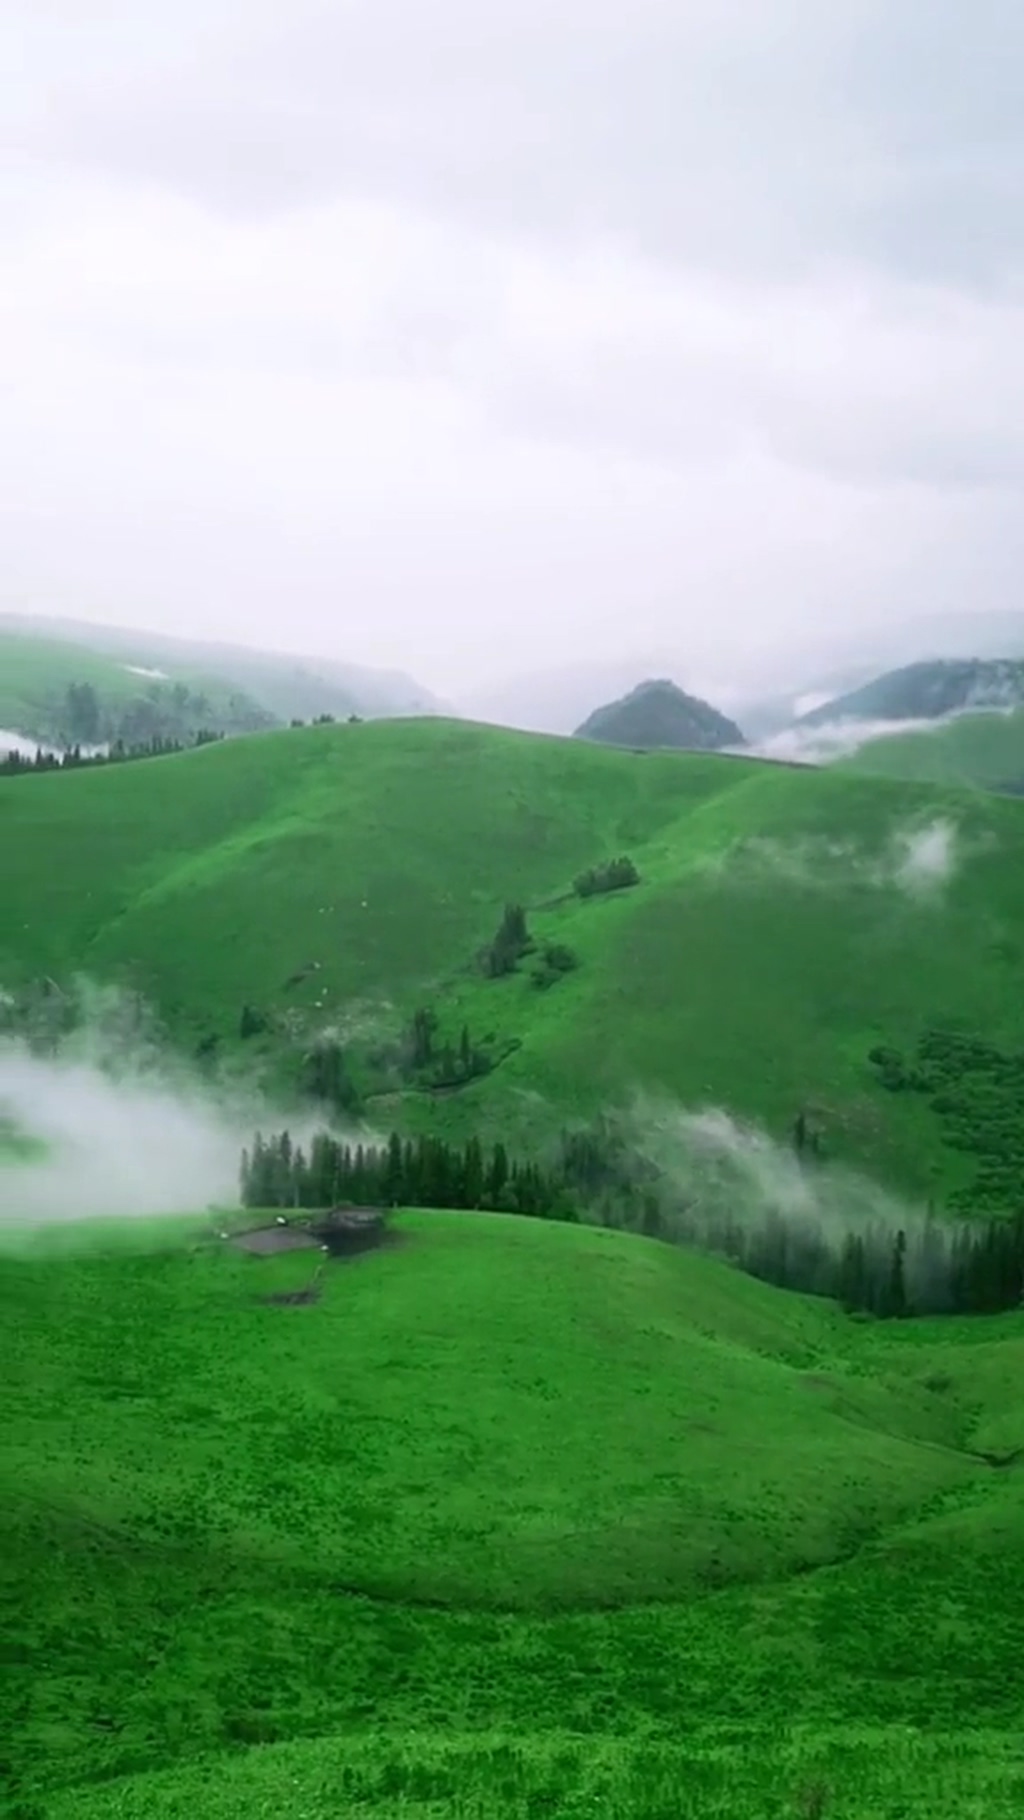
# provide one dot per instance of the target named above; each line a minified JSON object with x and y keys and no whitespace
{"x":474,"y":340}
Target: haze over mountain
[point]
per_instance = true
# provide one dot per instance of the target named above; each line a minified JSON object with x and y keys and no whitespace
{"x":763,"y":687}
{"x":88,"y":686}
{"x":928,"y":691}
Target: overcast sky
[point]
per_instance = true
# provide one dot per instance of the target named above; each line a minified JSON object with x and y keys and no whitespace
{"x":466,"y":338}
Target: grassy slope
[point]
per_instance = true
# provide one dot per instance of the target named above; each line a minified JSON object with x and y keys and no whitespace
{"x":35,"y":674}
{"x":753,"y":975}
{"x":35,"y":667}
{"x":519,"y":1519}
{"x":983,"y":751}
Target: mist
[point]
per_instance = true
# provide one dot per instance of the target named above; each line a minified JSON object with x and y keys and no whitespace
{"x":101,"y":1147}
{"x":714,"y":1165}
{"x":918,"y":860}
{"x":781,"y":1212}
{"x":836,"y":739}
{"x":104,"y":1120}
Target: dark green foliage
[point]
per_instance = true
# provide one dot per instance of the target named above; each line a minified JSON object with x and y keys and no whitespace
{"x":438,"y":1064}
{"x":935,"y":1268}
{"x":511,"y":943}
{"x":555,"y":961}
{"x":977,"y":1091}
{"x":252,"y":1022}
{"x":614,"y":875}
{"x":422,"y":1172}
{"x":896,"y":1301}
{"x":424,"y":1029}
{"x":19,"y":764}
{"x":82,"y":715}
{"x":326,"y":1078}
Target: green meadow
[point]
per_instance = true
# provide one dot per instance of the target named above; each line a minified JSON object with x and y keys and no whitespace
{"x":517,"y":1519}
{"x":983,"y":751}
{"x":514,"y":1519}
{"x":344,"y":877}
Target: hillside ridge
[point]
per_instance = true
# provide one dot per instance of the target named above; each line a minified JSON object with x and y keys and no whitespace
{"x":772,"y":925}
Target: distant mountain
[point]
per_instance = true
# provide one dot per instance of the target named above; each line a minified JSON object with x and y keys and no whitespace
{"x":139,"y":676}
{"x":927,"y":691}
{"x":557,"y":700}
{"x":659,"y":714}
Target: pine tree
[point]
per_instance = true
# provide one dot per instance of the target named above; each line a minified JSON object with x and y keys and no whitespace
{"x":897,"y":1296}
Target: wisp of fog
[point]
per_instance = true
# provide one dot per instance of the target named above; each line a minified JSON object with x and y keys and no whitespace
{"x":713,"y":1165}
{"x":919,"y":861}
{"x":95,"y":1146}
{"x":107,"y":1122}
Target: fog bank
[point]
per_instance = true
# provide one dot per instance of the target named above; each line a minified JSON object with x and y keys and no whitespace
{"x":104,"y":1120}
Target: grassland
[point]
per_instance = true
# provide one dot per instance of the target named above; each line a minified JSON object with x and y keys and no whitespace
{"x":35,"y":674}
{"x":973,"y":751}
{"x":776,"y":935}
{"x":122,"y":666}
{"x":518,"y":1520}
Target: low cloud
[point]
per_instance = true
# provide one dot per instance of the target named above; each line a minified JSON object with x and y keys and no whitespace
{"x":823,"y":745}
{"x":104,"y":1121}
{"x":919,"y":860}
{"x":716,"y":1166}
{"x":928,"y":858}
{"x":729,"y":1188}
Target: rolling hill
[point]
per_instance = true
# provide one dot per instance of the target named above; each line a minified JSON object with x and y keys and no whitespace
{"x":513,"y":1518}
{"x":983,"y":751}
{"x":139,"y":679}
{"x":516,"y":1519}
{"x":336,"y":880}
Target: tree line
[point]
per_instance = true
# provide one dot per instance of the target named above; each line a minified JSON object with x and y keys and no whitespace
{"x":16,"y":764}
{"x":615,"y":875}
{"x":409,"y":1172}
{"x":930,"y":1266}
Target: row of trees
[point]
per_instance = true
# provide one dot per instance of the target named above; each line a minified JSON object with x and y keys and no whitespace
{"x":15,"y":764}
{"x":420,"y":1172}
{"x":929,"y":1266}
{"x":158,"y":710}
{"x":614,"y":875}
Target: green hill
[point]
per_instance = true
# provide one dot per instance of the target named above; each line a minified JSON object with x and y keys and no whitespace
{"x":339,"y":879}
{"x":660,"y":716}
{"x":928,"y":691}
{"x":40,"y":679}
{"x":147,"y":686}
{"x":516,"y":1519}
{"x":983,"y":751}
